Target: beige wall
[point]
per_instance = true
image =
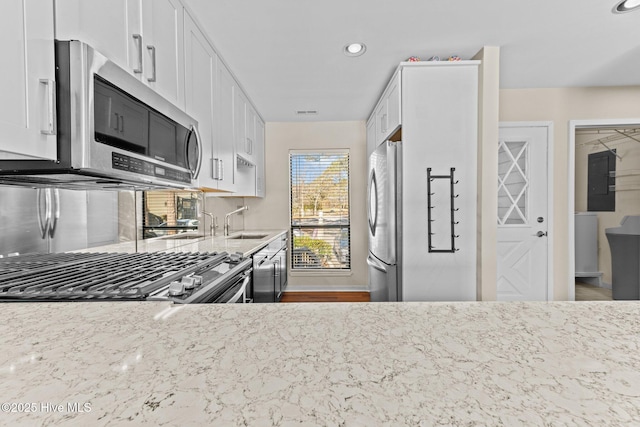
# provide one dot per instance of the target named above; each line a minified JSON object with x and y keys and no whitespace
{"x":627,"y":198}
{"x":489,"y":84}
{"x":561,"y":106}
{"x":273,"y":210}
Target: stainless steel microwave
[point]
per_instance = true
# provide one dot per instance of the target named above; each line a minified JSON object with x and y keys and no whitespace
{"x":113,"y":131}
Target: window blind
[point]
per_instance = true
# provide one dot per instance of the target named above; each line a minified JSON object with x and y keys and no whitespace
{"x":320,"y":225}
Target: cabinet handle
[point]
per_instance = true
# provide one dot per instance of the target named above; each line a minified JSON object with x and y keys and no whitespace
{"x":138,"y":40}
{"x":384,"y":120}
{"x":214,"y":168}
{"x":49,"y":120}
{"x":249,"y":146}
{"x":221,"y":169}
{"x":152,"y":49}
{"x":121,"y":124}
{"x":117,"y":126}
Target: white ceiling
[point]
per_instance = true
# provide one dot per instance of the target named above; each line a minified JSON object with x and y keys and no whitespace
{"x":288,"y":53}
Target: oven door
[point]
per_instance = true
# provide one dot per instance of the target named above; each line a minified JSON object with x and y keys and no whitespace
{"x":238,"y":292}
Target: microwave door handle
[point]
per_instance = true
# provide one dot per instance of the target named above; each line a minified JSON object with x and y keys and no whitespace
{"x":55,"y":212}
{"x":194,"y":131}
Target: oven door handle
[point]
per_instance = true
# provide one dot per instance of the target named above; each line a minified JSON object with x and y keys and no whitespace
{"x":241,"y":292}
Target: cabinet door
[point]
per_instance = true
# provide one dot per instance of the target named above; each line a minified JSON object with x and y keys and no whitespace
{"x":200,"y":74}
{"x":164,"y":59}
{"x":250,"y":132}
{"x":393,"y":105}
{"x":259,"y":159}
{"x":112,"y":27}
{"x":224,"y":116}
{"x":381,"y":121}
{"x":371,"y":136}
{"x":239,"y":121}
{"x":27,"y":110}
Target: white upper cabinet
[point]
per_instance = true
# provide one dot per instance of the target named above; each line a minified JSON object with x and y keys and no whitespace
{"x":209,"y":99}
{"x":27,"y":110}
{"x":200,"y":93}
{"x":260,"y":159}
{"x":163,"y":32}
{"x":392,"y":99}
{"x":223,"y":121}
{"x":144,"y":37}
{"x":113,"y":28}
{"x":371,"y":137}
{"x":388,"y":114}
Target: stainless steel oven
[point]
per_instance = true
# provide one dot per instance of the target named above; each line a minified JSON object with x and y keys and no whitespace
{"x":183,"y":278}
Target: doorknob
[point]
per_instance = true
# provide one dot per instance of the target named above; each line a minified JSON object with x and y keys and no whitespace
{"x":541,"y":233}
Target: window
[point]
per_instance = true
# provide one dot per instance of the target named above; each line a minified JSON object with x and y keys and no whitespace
{"x":320,"y":227}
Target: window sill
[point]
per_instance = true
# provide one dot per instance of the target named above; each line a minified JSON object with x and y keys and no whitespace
{"x":318,"y":273}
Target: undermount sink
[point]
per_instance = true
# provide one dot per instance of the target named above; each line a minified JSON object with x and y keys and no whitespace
{"x":181,"y":237}
{"x":247,"y":236}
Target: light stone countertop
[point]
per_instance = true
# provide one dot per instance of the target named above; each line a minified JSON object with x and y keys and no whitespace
{"x":203,"y":244}
{"x":340,"y":364}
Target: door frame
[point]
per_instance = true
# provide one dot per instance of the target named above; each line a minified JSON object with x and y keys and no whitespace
{"x":571,"y":199}
{"x":550,"y":223}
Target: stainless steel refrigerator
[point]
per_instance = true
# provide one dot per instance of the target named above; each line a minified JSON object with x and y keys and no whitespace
{"x":421,"y":232}
{"x":382,"y":213}
{"x":44,"y":220}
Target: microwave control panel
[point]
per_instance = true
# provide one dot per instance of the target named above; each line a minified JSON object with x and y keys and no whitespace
{"x":131,"y":164}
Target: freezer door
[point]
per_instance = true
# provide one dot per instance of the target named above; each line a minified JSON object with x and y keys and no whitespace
{"x":23,"y":220}
{"x":383,"y":280}
{"x":382,"y":203}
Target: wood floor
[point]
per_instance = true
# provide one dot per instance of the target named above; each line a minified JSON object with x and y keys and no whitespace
{"x":325,"y":297}
{"x":586,"y":292}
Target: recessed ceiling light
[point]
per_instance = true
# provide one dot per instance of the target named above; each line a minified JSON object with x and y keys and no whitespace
{"x":626,"y":6}
{"x":354,"y":49}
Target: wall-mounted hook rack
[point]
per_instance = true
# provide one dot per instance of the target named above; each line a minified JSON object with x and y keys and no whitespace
{"x":452,"y":210}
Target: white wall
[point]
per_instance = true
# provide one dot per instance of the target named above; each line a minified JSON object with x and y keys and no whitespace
{"x":561,"y":106}
{"x":273,"y":211}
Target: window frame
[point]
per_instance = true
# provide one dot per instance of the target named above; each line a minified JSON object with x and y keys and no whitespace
{"x":319,"y":271}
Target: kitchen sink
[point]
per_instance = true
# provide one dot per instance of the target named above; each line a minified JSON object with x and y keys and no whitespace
{"x":182,"y":237}
{"x":248,"y":236}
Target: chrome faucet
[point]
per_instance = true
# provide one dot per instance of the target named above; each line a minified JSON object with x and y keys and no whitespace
{"x":227,"y":216}
{"x":214,"y":223}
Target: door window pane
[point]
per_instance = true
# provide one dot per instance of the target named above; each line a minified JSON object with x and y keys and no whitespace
{"x":513,"y":182}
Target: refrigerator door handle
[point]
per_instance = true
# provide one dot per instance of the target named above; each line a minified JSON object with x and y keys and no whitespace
{"x":373,"y":195}
{"x":55,"y":211}
{"x":43,"y":223}
{"x":376,"y":264}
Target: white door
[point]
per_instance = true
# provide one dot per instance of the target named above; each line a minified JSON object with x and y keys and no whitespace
{"x":522,"y":240}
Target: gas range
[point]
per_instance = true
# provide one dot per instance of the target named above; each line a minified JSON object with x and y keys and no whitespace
{"x":184,"y":277}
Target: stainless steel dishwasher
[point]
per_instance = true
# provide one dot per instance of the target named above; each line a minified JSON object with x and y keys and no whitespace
{"x":270,"y":271}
